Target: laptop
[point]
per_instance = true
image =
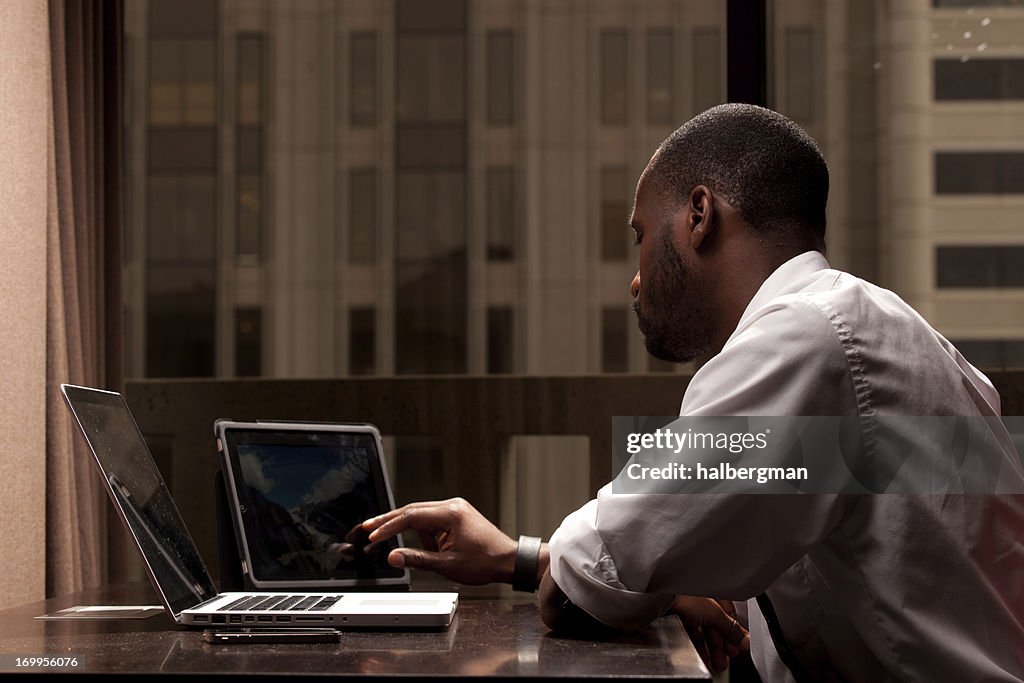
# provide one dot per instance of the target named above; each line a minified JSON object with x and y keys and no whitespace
{"x":297,"y":492}
{"x":179,"y":576}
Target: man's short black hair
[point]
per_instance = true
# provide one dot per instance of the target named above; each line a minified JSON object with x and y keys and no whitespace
{"x":762,"y":163}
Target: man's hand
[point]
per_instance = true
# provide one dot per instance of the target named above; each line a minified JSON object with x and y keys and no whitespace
{"x":458,"y":542}
{"x":560,"y":615}
{"x":713,"y":628}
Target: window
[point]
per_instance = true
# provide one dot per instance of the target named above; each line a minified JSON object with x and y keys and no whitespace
{"x":800,"y":63}
{"x":614,"y":59}
{"x":502,"y":212}
{"x":614,"y":356}
{"x":993,"y":354}
{"x":614,"y":207}
{"x":661,"y":76}
{"x":979,"y":79}
{"x":501,"y":68}
{"x":708,"y":71}
{"x":182,"y":82}
{"x":979,"y":172}
{"x":977,"y":3}
{"x":248,"y":342}
{"x":362,"y":341}
{"x":430,"y":154}
{"x":979,"y":267}
{"x":251,"y":78}
{"x":500,"y":340}
{"x":251,"y":86}
{"x":363,"y":226}
{"x":362,"y":68}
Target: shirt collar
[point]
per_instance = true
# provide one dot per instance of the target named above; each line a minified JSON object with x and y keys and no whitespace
{"x":786,"y":279}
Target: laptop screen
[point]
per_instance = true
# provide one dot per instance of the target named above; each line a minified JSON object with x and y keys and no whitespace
{"x":302,"y":495}
{"x":141,"y":497}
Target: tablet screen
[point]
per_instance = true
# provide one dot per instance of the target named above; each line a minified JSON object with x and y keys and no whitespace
{"x":302,"y":495}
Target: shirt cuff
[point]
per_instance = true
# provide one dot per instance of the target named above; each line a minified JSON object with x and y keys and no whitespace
{"x":584,"y":570}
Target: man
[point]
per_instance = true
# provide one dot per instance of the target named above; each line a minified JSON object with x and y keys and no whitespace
{"x":730,"y":218}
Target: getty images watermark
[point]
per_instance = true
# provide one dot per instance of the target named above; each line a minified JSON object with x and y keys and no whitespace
{"x":869,"y":454}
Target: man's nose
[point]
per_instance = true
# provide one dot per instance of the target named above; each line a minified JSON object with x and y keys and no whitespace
{"x":634,"y":287}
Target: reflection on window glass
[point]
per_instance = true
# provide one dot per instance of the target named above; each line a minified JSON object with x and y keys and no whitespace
{"x":502,"y":214}
{"x":614,"y":356}
{"x":363,"y":98}
{"x":979,"y":172}
{"x":248,"y":342}
{"x":501,"y":91}
{"x":800,"y":63}
{"x":614,"y":59}
{"x":979,"y":79}
{"x":661,"y":76}
{"x":362,"y":340}
{"x":500,"y":344}
{"x":363,"y":226}
{"x":979,"y":266}
{"x":614,"y":210}
{"x":708,"y":69}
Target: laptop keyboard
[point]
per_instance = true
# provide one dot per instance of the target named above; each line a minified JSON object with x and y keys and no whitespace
{"x":291,"y":603}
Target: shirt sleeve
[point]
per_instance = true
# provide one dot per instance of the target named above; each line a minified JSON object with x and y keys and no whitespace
{"x":622,"y":557}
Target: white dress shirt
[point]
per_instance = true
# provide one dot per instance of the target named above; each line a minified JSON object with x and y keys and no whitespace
{"x":866,"y":588}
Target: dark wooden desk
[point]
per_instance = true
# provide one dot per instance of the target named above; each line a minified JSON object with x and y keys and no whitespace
{"x":496,"y":633}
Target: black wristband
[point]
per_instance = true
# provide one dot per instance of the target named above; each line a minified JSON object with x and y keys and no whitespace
{"x":524,"y":576}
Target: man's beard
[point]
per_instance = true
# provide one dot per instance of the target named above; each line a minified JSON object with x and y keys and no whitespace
{"x":676,"y":323}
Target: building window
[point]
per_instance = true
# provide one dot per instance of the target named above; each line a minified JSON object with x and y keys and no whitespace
{"x":502,"y":213}
{"x":363,"y":226}
{"x":979,"y":172}
{"x":362,"y":341}
{"x":708,"y":82}
{"x":661,"y":77}
{"x":614,"y":207}
{"x":181,"y":189}
{"x":248,"y":342}
{"x":800,"y":64}
{"x":659,"y":365}
{"x":251,"y":78}
{"x":430,"y":214}
{"x":979,"y":79}
{"x":976,"y":3}
{"x":250,"y":210}
{"x":979,"y":266}
{"x":501,"y":69}
{"x":993,"y":354}
{"x":614,"y":72}
{"x":500,"y":340}
{"x":362,"y":68}
{"x":182,"y":78}
{"x":614,"y":356}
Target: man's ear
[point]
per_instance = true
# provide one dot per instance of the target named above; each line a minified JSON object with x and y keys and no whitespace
{"x":701,"y":215}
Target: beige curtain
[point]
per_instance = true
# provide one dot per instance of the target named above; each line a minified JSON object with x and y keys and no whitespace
{"x":83,"y":328}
